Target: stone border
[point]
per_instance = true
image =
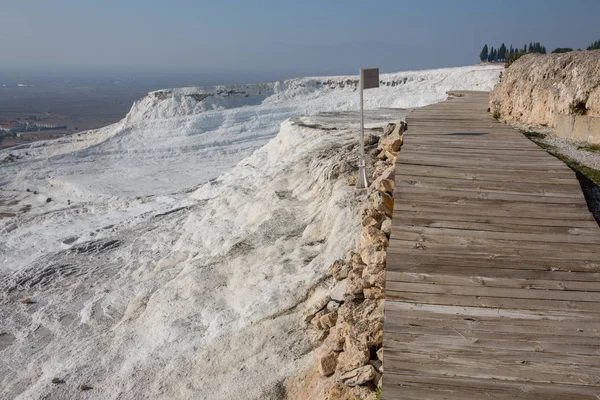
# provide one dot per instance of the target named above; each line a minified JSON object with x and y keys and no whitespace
{"x":347,"y":321}
{"x":581,"y":128}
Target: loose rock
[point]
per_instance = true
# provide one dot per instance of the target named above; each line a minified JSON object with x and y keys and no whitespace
{"x":309,"y":313}
{"x":316,"y":320}
{"x":386,"y":226}
{"x":371,"y":236}
{"x":378,"y":365}
{"x":338,"y":291}
{"x":374,"y":293}
{"x":382,"y":201}
{"x":389,"y":173}
{"x":388,"y":129}
{"x":369,"y":221}
{"x":325,"y":360}
{"x":355,"y":355}
{"x":335,"y":339}
{"x":385,"y":185}
{"x":328,"y":320}
{"x":371,"y":139}
{"x":338,"y":269}
{"x":358,"y":376}
{"x":355,"y":284}
{"x":333,"y":306}
{"x":372,"y":255}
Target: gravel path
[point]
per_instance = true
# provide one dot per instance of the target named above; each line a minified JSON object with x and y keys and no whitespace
{"x":574,"y":150}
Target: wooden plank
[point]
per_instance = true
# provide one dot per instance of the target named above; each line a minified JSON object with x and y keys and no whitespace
{"x":493,"y":265}
{"x":419,"y":387}
{"x":473,"y":366}
{"x":514,"y":251}
{"x":454,"y":194}
{"x":493,"y":291}
{"x":442,"y":215}
{"x":410,"y":262}
{"x":420,"y":232}
{"x":499,"y":277}
{"x":536,"y":333}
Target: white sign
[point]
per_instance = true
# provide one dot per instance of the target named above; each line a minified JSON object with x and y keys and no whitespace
{"x":369,"y":78}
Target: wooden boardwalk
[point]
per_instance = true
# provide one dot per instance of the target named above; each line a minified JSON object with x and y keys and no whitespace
{"x":493,"y":268}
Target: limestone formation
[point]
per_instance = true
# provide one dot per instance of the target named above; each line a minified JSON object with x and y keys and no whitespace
{"x":349,"y":319}
{"x":536,"y":88}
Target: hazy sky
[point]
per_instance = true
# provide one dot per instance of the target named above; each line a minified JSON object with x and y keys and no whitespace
{"x":298,"y":37}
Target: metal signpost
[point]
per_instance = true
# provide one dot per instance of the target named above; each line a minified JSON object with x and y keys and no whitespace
{"x":369,"y":78}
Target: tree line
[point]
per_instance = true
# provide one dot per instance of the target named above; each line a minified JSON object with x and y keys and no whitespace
{"x":508,"y":55}
{"x":502,"y":53}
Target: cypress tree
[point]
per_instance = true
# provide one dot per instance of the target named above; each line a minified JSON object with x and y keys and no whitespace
{"x":483,"y":56}
{"x":502,"y":52}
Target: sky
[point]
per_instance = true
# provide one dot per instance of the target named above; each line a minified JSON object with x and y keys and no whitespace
{"x":279,"y":38}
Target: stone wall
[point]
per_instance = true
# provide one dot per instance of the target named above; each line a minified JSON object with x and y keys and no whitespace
{"x":580,"y":128}
{"x":345,"y":318}
{"x":537,"y":89}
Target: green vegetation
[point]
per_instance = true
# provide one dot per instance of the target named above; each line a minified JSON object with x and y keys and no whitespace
{"x":510,"y":55}
{"x":593,"y":148}
{"x":378,"y":393}
{"x":580,"y":109}
{"x":483,"y":56}
{"x":590,"y":173}
{"x":594,"y":46}
{"x":537,"y":138}
{"x":534,"y":135}
{"x":496,"y":115}
{"x":512,"y":59}
{"x":26,"y":208}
